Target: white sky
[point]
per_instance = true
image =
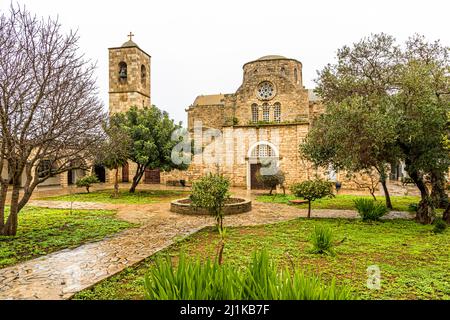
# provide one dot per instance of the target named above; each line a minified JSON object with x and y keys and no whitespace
{"x":199,"y":46}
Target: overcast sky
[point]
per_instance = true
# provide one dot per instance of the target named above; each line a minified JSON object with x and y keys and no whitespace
{"x":199,"y":46}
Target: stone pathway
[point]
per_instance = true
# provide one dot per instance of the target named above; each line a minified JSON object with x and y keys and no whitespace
{"x":62,"y":274}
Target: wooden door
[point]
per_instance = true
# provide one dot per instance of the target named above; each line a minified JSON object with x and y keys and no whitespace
{"x":254,"y":169}
{"x":152,"y":176}
{"x":126,"y":173}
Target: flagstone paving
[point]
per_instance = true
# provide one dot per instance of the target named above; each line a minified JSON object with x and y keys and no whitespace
{"x":62,"y":274}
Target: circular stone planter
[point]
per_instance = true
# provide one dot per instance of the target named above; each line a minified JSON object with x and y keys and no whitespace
{"x":233,"y":206}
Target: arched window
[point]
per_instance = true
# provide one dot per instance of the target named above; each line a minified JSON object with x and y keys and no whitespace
{"x":255,"y":113}
{"x":262,"y":151}
{"x":295,"y":75}
{"x":266,"y":112}
{"x":277,"y":112}
{"x":123,"y":72}
{"x":143,"y":75}
{"x":283,"y":71}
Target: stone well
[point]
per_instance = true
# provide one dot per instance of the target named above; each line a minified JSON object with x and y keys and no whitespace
{"x":233,"y":206}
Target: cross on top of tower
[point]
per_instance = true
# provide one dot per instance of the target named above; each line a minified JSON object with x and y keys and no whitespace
{"x":131,"y":35}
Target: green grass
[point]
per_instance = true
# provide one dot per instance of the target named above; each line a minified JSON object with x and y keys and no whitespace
{"x":399,"y":203}
{"x":414,"y":262}
{"x":125,"y":197}
{"x":42,"y":231}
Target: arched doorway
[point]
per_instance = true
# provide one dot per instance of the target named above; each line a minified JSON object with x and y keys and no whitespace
{"x":263,"y":157}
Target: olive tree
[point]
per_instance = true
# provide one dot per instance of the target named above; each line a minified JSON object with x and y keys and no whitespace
{"x":312,"y":190}
{"x":272,"y":180}
{"x":50,"y":114}
{"x":211,"y":192}
{"x":387,"y":103}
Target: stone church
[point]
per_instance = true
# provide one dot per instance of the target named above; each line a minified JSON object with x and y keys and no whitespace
{"x":267,"y":117}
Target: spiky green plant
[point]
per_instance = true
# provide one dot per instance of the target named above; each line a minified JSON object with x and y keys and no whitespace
{"x":370,"y":210}
{"x":322,"y":240}
{"x":193,"y":279}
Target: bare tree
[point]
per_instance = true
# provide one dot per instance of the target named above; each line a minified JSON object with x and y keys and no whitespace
{"x":367,"y":179}
{"x":50,"y":113}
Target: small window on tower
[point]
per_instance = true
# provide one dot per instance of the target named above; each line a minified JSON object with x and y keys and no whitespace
{"x":295,"y":75}
{"x":143,"y":75}
{"x":123,"y":72}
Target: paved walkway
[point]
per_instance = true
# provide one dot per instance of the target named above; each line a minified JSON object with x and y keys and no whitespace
{"x":62,"y":274}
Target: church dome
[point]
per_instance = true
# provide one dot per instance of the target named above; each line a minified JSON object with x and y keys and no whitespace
{"x":272,"y":57}
{"x":129,"y":44}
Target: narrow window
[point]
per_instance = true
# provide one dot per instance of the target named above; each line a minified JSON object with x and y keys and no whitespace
{"x":295,"y":75}
{"x":143,"y":75}
{"x":266,"y":112}
{"x":277,"y":113}
{"x":255,"y":113}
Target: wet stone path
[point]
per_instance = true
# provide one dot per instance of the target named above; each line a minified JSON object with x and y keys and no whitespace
{"x":61,"y":274}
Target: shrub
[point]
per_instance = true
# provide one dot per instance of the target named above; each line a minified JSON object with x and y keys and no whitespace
{"x":370,"y":210}
{"x":87,"y":182}
{"x":439,"y":226}
{"x":210,"y":192}
{"x":312,"y":190}
{"x":412,"y":207}
{"x":260,"y":280}
{"x":322,"y":240}
{"x":272,"y":181}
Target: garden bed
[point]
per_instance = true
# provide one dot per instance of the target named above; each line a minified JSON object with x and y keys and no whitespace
{"x":232,"y":206}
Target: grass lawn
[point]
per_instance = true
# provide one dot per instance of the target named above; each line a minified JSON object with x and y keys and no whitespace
{"x":42,"y":231}
{"x":139,"y":197}
{"x":399,"y":203}
{"x":414,"y":262}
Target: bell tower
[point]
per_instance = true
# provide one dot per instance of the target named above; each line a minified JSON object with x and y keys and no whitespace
{"x":129,"y":77}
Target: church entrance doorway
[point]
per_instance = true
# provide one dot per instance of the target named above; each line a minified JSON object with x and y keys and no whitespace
{"x":261,"y":154}
{"x":254,"y":169}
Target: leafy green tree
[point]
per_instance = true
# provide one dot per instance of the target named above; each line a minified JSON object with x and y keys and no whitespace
{"x":114,"y":152}
{"x":312,"y":190}
{"x":386,"y":104}
{"x":272,"y":180}
{"x":422,"y":104}
{"x":351,"y":137}
{"x":150,"y":130}
{"x":358,"y":125}
{"x":87,"y":182}
{"x":211,"y":192}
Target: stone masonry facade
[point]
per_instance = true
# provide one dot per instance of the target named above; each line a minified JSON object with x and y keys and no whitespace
{"x":267,"y":117}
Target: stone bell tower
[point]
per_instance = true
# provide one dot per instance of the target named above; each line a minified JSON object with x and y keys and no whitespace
{"x":129,"y":77}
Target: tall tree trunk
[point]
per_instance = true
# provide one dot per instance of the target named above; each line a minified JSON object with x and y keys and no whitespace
{"x":116,"y":183}
{"x":425,"y":211}
{"x":137,"y":178}
{"x":446,"y":215}
{"x":438,"y":192}
{"x":309,"y":209}
{"x":3,"y":192}
{"x":383,"y":181}
{"x":10,"y":228}
{"x":386,"y":192}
